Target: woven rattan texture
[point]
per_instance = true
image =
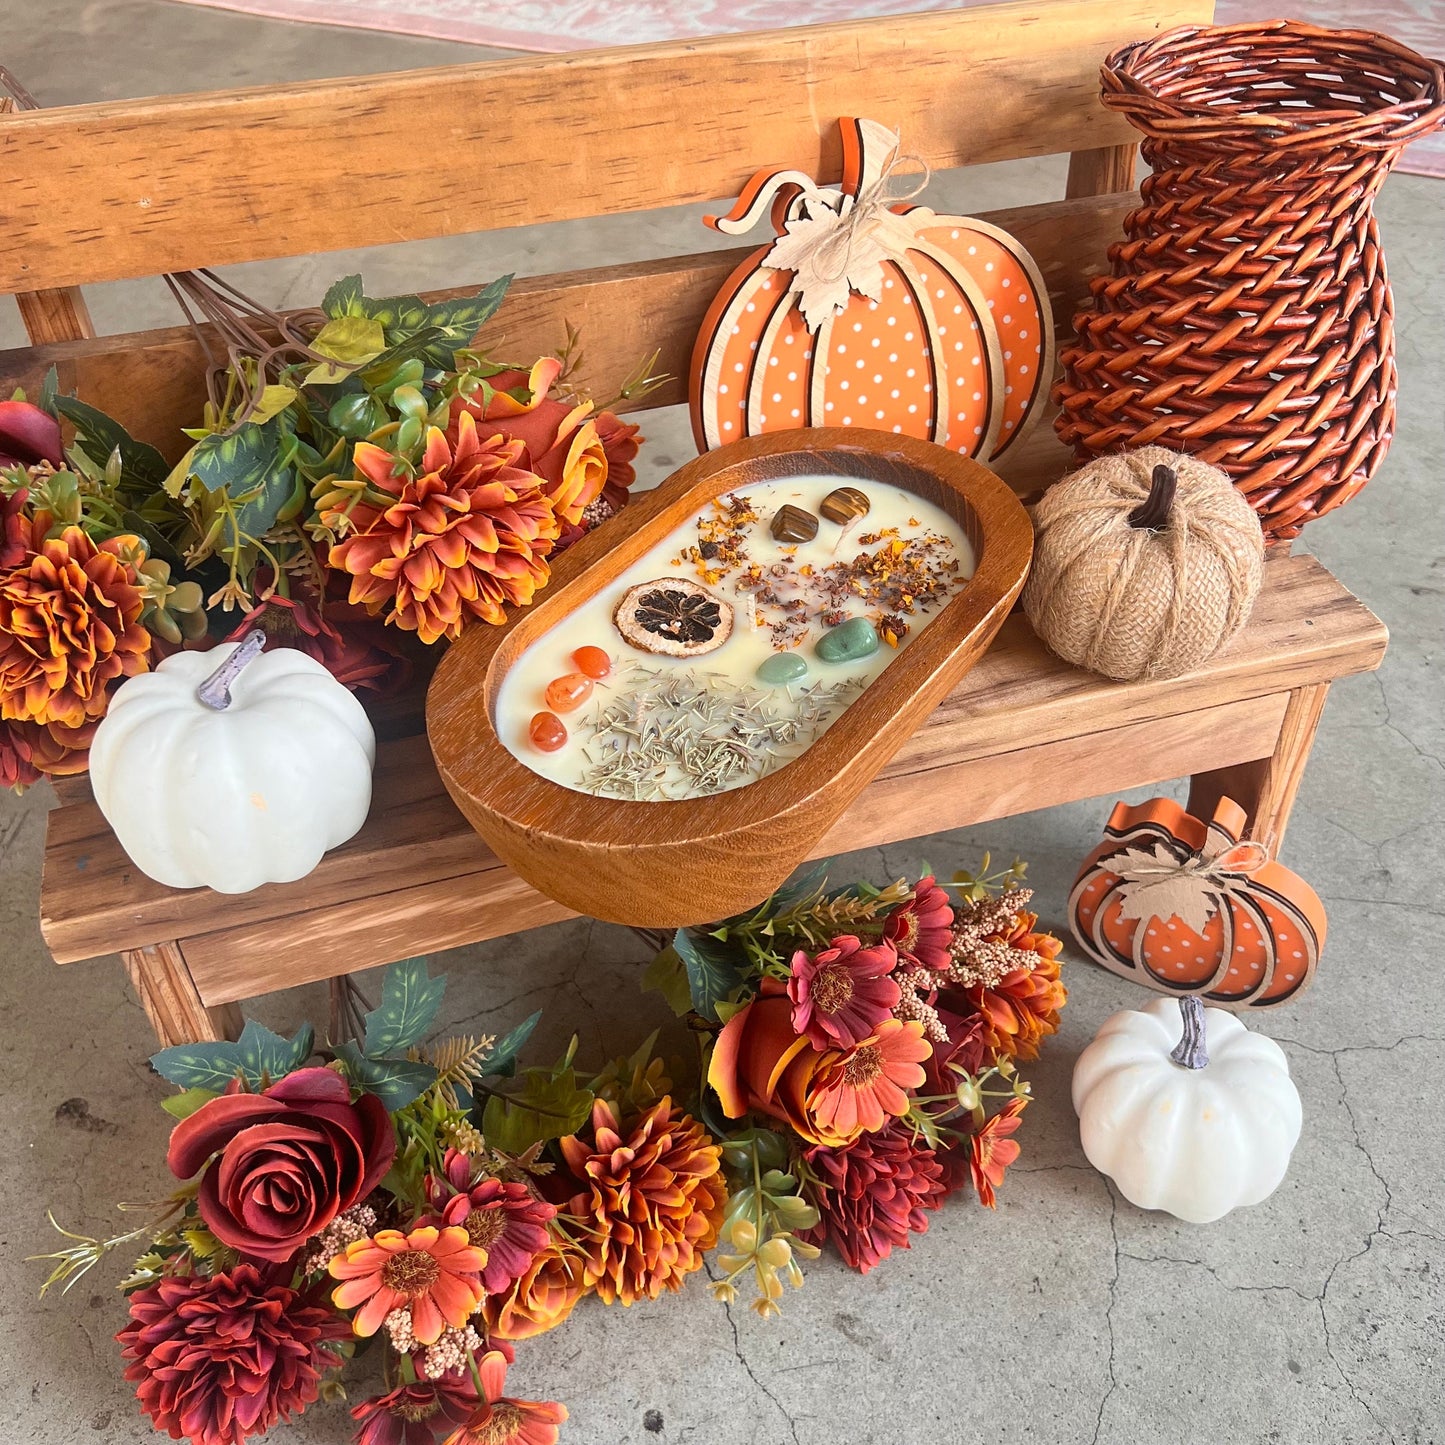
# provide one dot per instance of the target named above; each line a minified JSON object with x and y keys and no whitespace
{"x":1247,"y":318}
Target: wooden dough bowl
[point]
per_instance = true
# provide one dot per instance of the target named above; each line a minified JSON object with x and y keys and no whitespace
{"x":669,"y":864}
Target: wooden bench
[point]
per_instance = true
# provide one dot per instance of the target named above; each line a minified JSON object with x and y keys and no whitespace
{"x":105,"y":192}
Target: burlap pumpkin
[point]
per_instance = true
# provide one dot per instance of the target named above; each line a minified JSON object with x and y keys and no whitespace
{"x":1145,"y":564}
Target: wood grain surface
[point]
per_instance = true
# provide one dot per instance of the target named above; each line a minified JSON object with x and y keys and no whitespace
{"x":135,"y":188}
{"x":153,"y":381}
{"x":626,"y":862}
{"x":439,"y":885}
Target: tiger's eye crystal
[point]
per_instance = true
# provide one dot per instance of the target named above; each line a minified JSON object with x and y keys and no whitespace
{"x":843,"y":504}
{"x":592,"y":661}
{"x":793,"y":524}
{"x":547,"y":733}
{"x":567,"y":693}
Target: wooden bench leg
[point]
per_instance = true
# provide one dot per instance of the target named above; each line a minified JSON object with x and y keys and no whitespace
{"x":171,"y":1000}
{"x":1101,"y":172}
{"x":1266,"y":789}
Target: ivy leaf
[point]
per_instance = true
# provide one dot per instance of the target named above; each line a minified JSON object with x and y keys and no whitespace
{"x":274,"y":400}
{"x":410,"y":999}
{"x":397,"y":313}
{"x":235,"y":462}
{"x":344,"y":298}
{"x":199,"y":1066}
{"x":667,"y":976}
{"x":259,"y":509}
{"x":461,"y":319}
{"x":396,"y":1082}
{"x":182,"y":1106}
{"x":267,"y":1056}
{"x":98,"y":435}
{"x":548,"y":1106}
{"x":503,"y":1057}
{"x":711,"y":972}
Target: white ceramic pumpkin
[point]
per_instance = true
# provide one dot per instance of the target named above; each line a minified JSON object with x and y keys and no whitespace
{"x":1185,"y":1109}
{"x":235,"y":775}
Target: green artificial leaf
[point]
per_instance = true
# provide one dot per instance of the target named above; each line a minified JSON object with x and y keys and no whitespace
{"x":157,"y":543}
{"x":343,"y":298}
{"x":49,"y":389}
{"x":349,"y":341}
{"x":503,"y":1056}
{"x":235,"y":462}
{"x":410,"y":999}
{"x":260,"y":508}
{"x":548,"y":1105}
{"x":98,"y":435}
{"x":419,"y":343}
{"x":402,"y":314}
{"x":274,"y":400}
{"x":199,"y":1066}
{"x":799,"y":888}
{"x":667,"y":975}
{"x":266,"y":1057}
{"x":461,"y":319}
{"x":182,"y":1106}
{"x":396,"y":1082}
{"x":711,"y":972}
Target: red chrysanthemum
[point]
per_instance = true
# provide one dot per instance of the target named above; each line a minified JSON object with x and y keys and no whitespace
{"x":419,"y":1414}
{"x":921,"y":927}
{"x":875,"y":1193}
{"x":841,"y":995}
{"x":217,"y":1360}
{"x":504,"y":1218}
{"x":31,"y":751}
{"x":621,"y":441}
{"x":963,"y":1052}
{"x":14,"y":529}
{"x":469,"y":533}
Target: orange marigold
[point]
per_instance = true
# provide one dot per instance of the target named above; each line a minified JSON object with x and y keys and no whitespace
{"x":69,"y":626}
{"x":653,"y":1198}
{"x":541,"y":1299}
{"x":469,"y":533}
{"x":1022,"y":1009}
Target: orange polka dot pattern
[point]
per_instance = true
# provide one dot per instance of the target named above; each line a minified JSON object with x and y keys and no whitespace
{"x":1260,"y":946}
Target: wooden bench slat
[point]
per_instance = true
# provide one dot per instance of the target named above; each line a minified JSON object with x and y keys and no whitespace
{"x":152,"y":381}
{"x":134,"y":188}
{"x":1306,"y":629}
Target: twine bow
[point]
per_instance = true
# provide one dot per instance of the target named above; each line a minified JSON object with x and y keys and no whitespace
{"x":1158,"y":883}
{"x":861,"y":218}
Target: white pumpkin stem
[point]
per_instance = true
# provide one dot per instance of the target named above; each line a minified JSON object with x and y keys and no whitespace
{"x":1190,"y":1052}
{"x":215,"y":691}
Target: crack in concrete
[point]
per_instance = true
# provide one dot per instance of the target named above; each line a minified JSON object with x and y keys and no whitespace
{"x":1109,"y":1311}
{"x":743,"y":1361}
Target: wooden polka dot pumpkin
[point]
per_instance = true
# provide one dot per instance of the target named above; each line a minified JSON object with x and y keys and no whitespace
{"x":1182,"y":906}
{"x":870,"y":312}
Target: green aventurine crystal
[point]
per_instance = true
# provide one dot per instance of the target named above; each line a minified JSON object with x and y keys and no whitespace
{"x":850,"y":641}
{"x":782,"y":667}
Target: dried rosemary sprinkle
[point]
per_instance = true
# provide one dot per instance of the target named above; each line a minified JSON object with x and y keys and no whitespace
{"x":667,"y":735}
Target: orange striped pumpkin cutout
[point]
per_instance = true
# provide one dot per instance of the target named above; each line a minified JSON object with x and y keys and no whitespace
{"x":874,"y":313}
{"x":1186,"y":907}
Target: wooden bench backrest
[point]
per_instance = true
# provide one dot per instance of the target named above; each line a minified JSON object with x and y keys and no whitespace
{"x":125,"y":189}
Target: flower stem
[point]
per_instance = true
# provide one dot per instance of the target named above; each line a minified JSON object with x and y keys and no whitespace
{"x":215,"y":691}
{"x":1191,"y":1051}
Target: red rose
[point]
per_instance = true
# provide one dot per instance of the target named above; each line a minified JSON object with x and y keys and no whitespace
{"x":288,"y":1161}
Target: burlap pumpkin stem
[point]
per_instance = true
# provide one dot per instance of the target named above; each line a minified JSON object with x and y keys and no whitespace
{"x":1145,"y":564}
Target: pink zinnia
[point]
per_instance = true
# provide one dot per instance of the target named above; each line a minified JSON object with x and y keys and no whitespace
{"x":921,"y":928}
{"x":843,"y":994}
{"x":505,"y":1219}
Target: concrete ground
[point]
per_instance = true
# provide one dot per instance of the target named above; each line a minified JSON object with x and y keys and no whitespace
{"x":1068,"y":1315}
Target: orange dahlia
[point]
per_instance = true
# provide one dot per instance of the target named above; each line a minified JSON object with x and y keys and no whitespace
{"x":30,"y":751}
{"x":432,"y":1274}
{"x":467,"y":534}
{"x":1022,"y":1008}
{"x":541,"y":1299}
{"x":653,"y":1197}
{"x":69,"y":626}
{"x":502,"y":1420}
{"x":860,"y":1090}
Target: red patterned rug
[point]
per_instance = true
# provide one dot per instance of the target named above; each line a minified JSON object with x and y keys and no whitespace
{"x":555,"y":25}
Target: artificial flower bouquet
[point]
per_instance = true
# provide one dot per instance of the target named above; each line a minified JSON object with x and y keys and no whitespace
{"x":435,"y":1203}
{"x":357,"y":474}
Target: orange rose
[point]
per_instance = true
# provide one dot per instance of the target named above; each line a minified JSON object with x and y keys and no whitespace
{"x":560,"y":444}
{"x":540,"y":1300}
{"x":761,"y":1062}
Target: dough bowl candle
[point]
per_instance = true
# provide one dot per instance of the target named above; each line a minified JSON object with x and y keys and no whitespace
{"x":696,"y":701}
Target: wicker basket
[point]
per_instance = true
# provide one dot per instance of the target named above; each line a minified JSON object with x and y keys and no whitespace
{"x":1248,"y":318}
